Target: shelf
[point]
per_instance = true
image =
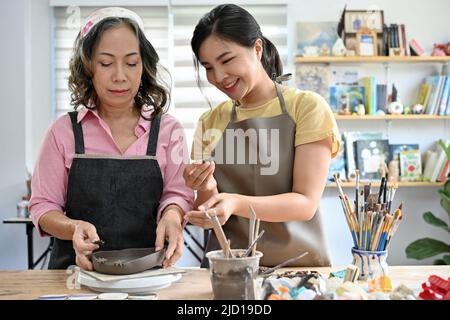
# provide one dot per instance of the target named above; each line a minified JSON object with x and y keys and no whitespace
{"x":376,"y":59}
{"x":400,"y":184}
{"x":392,"y":117}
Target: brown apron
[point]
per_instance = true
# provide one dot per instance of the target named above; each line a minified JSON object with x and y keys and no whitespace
{"x":281,"y":240}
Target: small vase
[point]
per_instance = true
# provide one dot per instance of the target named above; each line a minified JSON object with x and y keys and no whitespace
{"x":371,"y":264}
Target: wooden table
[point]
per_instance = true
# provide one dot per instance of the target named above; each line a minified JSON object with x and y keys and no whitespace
{"x":194,"y":284}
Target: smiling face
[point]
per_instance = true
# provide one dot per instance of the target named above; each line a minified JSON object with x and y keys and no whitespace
{"x":117,"y":67}
{"x":230,"y":67}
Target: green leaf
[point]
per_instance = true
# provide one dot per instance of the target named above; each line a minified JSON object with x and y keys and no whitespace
{"x":446,"y":258}
{"x":426,"y":248}
{"x":439,"y":262}
{"x":446,"y":148}
{"x":435,"y":221}
{"x":444,"y":195}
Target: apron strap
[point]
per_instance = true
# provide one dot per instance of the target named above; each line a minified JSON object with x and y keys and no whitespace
{"x":280,"y":99}
{"x":153,"y":136}
{"x":77,"y":132}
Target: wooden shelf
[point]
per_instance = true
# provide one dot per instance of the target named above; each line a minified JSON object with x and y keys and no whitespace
{"x":392,"y":117}
{"x":376,"y":59}
{"x":400,"y":184}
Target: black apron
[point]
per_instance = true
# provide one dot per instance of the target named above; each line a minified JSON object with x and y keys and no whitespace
{"x":281,"y":240}
{"x":118,"y":195}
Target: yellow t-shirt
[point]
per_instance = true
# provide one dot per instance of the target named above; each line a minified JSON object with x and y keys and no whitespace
{"x":311,"y":113}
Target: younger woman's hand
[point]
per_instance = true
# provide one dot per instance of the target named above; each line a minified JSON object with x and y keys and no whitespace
{"x":199,"y":176}
{"x":223,"y":205}
{"x":83,"y":239}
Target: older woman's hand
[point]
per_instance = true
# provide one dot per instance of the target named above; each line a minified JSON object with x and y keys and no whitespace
{"x":84,"y":236}
{"x":170,"y":228}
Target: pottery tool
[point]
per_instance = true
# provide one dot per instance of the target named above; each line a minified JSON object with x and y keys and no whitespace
{"x":256,"y":232}
{"x":99,"y":242}
{"x":281,"y":265}
{"x":220,"y":234}
{"x":251,"y":226}
{"x":253,"y":245}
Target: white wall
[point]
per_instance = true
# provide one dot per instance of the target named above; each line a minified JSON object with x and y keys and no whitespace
{"x":25,"y":92}
{"x":26,"y":109}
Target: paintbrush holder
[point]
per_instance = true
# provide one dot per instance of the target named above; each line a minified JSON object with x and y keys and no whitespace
{"x":371,"y":264}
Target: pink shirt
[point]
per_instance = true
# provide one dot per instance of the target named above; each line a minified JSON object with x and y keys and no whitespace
{"x":50,"y":177}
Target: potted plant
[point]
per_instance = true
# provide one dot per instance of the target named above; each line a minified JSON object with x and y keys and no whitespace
{"x":428,"y":247}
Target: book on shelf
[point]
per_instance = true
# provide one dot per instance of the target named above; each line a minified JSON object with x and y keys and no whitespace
{"x":381,"y":99}
{"x":371,"y":155}
{"x":314,"y":78}
{"x":346,"y":97}
{"x":443,"y":99}
{"x":424,"y":94}
{"x":415,"y":48}
{"x":350,"y":137}
{"x":437,"y":87}
{"x":410,"y":165}
{"x":436,"y":164}
{"x":405,"y":47}
{"x":395,"y":149}
{"x":444,"y":172}
{"x":370,"y":94}
{"x":338,"y":164}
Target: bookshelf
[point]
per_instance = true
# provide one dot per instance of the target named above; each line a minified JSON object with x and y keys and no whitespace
{"x":374,"y":59}
{"x":400,"y":184}
{"x":372,"y":121}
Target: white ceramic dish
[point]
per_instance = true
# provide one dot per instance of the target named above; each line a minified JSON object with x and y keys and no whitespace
{"x":135,"y":286}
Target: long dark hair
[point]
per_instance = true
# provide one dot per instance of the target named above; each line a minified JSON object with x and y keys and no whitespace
{"x":233,"y":23}
{"x":152,"y":91}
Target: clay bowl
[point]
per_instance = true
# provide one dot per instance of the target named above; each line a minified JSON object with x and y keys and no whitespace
{"x":127,"y":261}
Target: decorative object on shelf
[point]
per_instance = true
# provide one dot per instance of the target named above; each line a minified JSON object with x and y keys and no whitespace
{"x":311,"y":51}
{"x":339,"y":49}
{"x":350,"y":53}
{"x":366,"y":42}
{"x":356,"y":19}
{"x":320,"y":34}
{"x":394,"y":172}
{"x":427,"y":247}
{"x":324,"y":50}
{"x":395,"y":107}
{"x":380,"y":113}
{"x":407,"y":110}
{"x":361,"y":110}
{"x":439,"y":50}
{"x":417,"y":108}
{"x":396,"y":52}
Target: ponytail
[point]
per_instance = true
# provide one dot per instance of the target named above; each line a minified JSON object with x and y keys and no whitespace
{"x":271,"y":59}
